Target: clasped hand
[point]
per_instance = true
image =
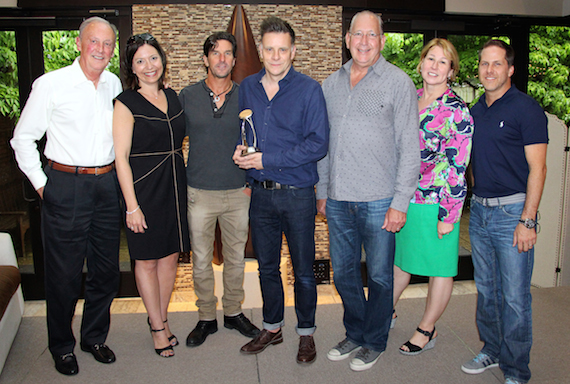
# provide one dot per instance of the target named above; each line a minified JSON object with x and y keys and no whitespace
{"x":251,"y":161}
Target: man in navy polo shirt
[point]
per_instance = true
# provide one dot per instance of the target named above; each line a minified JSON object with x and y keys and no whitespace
{"x":509,"y":169}
{"x":290,"y":117}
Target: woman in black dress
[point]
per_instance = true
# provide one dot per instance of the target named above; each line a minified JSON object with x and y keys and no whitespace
{"x":148,"y":129}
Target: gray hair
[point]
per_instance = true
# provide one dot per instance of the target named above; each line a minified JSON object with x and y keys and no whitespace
{"x":377,"y":16}
{"x":97,"y":19}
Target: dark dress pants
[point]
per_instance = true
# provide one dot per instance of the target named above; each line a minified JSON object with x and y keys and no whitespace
{"x":80,"y":221}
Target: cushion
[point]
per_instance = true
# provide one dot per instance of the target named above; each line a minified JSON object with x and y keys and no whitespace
{"x":9,"y":282}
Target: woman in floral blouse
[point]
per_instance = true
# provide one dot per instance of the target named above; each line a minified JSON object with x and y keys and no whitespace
{"x":429,"y":242}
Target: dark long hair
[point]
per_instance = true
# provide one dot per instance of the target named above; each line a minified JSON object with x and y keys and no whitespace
{"x":133,"y":45}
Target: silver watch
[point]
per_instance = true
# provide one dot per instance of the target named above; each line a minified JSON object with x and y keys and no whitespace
{"x":529,"y":223}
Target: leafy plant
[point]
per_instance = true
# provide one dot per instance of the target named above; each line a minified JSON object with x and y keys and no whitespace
{"x":549,"y":69}
{"x":403,"y":50}
{"x":9,"y":92}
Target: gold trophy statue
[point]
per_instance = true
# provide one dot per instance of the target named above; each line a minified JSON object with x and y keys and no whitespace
{"x":245,"y":116}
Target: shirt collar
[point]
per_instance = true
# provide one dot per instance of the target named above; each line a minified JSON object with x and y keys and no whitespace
{"x":207,"y":89}
{"x":505,"y":96}
{"x":78,"y":76}
{"x":287,"y":79}
{"x":376,"y":67}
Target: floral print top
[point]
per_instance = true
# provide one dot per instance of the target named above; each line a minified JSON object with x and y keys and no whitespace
{"x":446,"y":129}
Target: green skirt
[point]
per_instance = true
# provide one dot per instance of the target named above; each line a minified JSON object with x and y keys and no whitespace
{"x":419,"y":250}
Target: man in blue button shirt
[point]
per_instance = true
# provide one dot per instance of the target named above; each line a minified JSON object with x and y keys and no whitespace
{"x":290,"y":117}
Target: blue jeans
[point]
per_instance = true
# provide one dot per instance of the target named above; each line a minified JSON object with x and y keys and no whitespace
{"x":352,"y":226}
{"x":292,"y":212}
{"x":502,"y":276}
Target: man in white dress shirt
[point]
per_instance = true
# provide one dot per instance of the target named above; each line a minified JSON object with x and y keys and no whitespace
{"x":73,"y":108}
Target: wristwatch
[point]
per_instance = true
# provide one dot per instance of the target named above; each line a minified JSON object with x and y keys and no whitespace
{"x":529,"y":223}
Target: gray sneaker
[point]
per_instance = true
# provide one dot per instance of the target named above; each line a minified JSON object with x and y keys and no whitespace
{"x":342,"y":350}
{"x":512,"y":381}
{"x":364,"y":359}
{"x":479,"y":364}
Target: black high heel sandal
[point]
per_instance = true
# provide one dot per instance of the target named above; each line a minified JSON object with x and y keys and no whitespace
{"x":160,"y":350}
{"x":416,"y":350}
{"x":172,"y":337}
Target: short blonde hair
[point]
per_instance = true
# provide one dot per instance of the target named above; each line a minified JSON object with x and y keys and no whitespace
{"x":448,"y":50}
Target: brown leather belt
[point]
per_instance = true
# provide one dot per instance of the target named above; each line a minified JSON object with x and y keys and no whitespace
{"x":81,"y":170}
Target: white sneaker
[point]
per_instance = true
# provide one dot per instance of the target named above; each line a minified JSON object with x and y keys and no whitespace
{"x":364,"y":359}
{"x":342,"y":350}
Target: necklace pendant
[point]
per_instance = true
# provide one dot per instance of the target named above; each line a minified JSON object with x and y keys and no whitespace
{"x":216,"y":99}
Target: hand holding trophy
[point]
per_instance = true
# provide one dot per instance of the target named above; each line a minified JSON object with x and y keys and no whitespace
{"x":245,"y":117}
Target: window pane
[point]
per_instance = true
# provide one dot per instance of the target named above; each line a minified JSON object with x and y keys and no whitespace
{"x":9,"y":92}
{"x":14,"y":215}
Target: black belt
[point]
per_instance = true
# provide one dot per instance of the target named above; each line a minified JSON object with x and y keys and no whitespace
{"x":271,"y":185}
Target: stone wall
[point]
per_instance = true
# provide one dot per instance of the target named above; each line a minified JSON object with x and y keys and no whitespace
{"x":182,"y":28}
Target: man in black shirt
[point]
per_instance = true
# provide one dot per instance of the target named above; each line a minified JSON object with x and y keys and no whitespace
{"x":216,"y":189}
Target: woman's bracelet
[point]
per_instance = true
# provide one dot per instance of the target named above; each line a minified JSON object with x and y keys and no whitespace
{"x":134,"y":210}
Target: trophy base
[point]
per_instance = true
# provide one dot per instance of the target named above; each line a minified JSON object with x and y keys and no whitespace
{"x":249,"y":151}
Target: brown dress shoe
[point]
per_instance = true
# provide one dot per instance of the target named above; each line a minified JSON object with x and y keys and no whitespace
{"x":262,"y":341}
{"x":307,"y":351}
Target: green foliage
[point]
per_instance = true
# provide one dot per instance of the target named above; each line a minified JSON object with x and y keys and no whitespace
{"x":468,"y":49}
{"x":9,"y":92}
{"x":60,"y":50}
{"x":403,"y":50}
{"x":549,"y":69}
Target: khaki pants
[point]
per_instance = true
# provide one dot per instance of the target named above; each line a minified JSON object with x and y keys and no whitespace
{"x":231,"y":209}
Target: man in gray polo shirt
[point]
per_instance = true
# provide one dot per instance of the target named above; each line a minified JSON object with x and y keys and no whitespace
{"x":216,"y":189}
{"x":366,"y":183}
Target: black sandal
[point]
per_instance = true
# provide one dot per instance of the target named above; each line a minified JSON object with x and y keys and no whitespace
{"x":175,"y":343}
{"x":416,"y":350}
{"x":170,"y":338}
{"x":160,"y":350}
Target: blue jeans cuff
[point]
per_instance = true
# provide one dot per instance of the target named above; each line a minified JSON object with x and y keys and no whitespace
{"x":274,"y":326}
{"x":305,"y":331}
